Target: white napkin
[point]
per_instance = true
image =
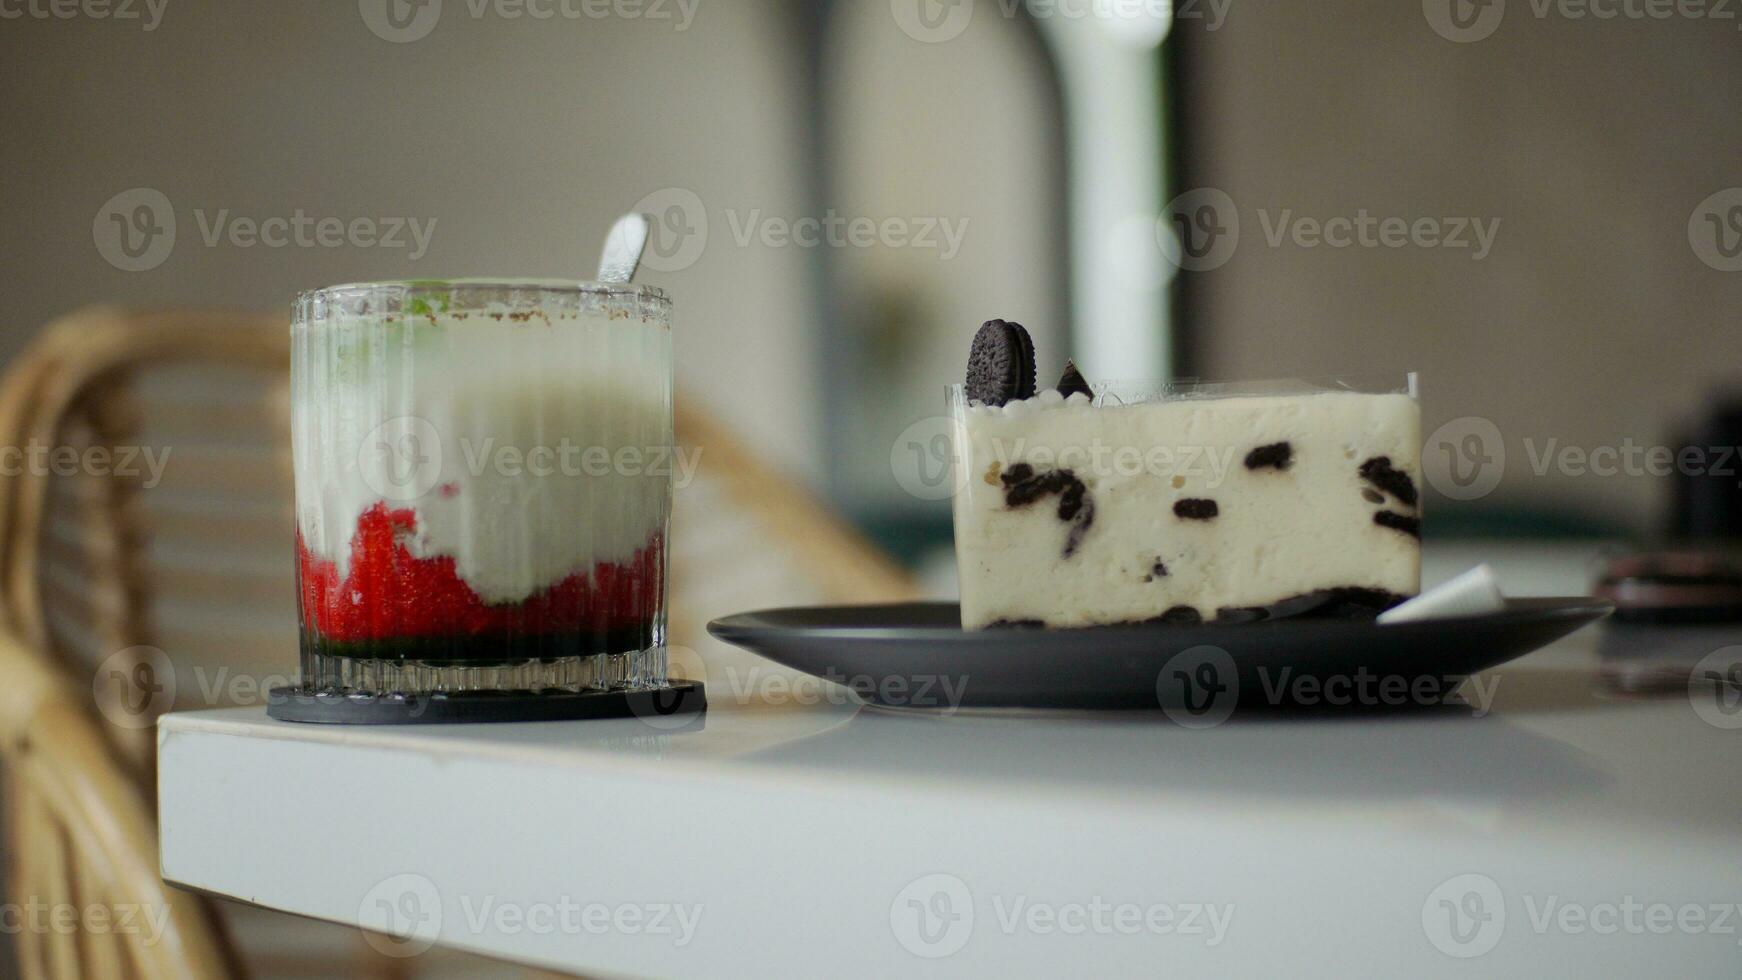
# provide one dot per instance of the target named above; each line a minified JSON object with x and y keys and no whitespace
{"x":1471,"y":594}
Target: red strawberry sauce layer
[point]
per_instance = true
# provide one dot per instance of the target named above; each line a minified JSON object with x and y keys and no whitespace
{"x":390,"y":593}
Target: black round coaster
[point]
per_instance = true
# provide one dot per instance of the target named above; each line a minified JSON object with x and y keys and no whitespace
{"x":662,"y":708}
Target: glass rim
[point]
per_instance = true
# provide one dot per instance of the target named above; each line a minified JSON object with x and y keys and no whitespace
{"x":400,"y":288}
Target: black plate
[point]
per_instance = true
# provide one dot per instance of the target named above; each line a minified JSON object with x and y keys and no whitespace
{"x":916,"y":655}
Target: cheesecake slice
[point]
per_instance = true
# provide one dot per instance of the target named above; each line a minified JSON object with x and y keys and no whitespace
{"x":1194,"y":506}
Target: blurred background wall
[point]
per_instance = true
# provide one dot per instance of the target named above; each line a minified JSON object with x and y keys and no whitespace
{"x":520,"y":138}
{"x":1592,"y":142}
{"x":1585,"y":145}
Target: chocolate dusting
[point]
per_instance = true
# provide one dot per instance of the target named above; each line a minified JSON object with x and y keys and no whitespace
{"x":1399,"y":522}
{"x":1023,"y":486}
{"x":1276,"y":456}
{"x":1196,"y":509}
{"x":1379,"y":472}
{"x":1157,"y":570}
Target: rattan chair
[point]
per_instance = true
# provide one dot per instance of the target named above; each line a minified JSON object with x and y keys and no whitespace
{"x":81,"y":838}
{"x":745,"y":536}
{"x":95,"y":570}
{"x":189,"y":569}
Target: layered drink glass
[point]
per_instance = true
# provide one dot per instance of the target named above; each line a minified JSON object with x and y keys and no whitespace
{"x":483,"y":485}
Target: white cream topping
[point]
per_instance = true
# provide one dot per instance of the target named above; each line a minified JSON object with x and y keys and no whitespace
{"x":529,"y":450}
{"x":1277,"y":533}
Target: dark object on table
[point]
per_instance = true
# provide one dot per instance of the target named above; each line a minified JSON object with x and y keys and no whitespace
{"x":1672,"y":608}
{"x":1657,"y":659}
{"x":1708,"y":476}
{"x":1673,"y":587}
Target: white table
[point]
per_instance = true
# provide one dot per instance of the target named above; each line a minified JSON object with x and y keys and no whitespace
{"x":1566,"y":832}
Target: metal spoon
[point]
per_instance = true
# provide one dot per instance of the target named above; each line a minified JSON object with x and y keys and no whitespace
{"x":623,"y":248}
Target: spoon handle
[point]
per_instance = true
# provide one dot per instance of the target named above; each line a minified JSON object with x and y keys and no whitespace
{"x":623,"y":248}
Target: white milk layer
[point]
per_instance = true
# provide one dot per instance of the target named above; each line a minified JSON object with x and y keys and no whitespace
{"x":1277,"y":533}
{"x":529,"y":449}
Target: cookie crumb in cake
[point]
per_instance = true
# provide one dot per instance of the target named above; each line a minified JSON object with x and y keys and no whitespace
{"x":1379,"y":472}
{"x":1196,"y":509}
{"x":1399,"y":522}
{"x":1276,"y":456}
{"x":1022,"y":486}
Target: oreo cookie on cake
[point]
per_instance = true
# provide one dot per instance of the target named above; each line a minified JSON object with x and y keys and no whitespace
{"x":1096,"y":503}
{"x":1001,"y":364}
